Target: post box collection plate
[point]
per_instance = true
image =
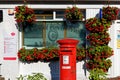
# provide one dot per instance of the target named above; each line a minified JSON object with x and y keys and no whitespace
{"x":65,"y":59}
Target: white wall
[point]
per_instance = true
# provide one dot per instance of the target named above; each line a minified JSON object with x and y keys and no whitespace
{"x":12,"y":68}
{"x":9,"y":68}
{"x":115,"y":69}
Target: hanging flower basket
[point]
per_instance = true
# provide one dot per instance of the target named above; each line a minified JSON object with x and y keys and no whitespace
{"x":24,"y":16}
{"x":97,"y":25}
{"x":73,"y":14}
{"x":99,"y":52}
{"x":99,"y":64}
{"x":110,"y":13}
{"x":101,"y":38}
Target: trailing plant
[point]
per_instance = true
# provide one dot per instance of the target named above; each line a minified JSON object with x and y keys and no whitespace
{"x":97,"y":74}
{"x":34,"y":76}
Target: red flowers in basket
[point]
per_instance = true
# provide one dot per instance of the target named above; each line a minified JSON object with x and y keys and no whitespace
{"x":99,"y":64}
{"x":45,"y":54}
{"x":24,"y":14}
{"x":97,"y":25}
{"x":101,"y":38}
{"x":110,"y":13}
{"x":99,"y":52}
{"x":73,"y":13}
{"x":98,"y":57}
{"x":33,"y":55}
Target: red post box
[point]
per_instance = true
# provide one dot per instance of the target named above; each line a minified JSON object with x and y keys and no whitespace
{"x":67,"y":58}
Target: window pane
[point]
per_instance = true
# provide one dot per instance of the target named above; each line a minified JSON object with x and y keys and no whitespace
{"x":44,"y":14}
{"x":44,"y":17}
{"x":54,"y":31}
{"x":33,"y":35}
{"x":77,"y":31}
{"x":60,"y":14}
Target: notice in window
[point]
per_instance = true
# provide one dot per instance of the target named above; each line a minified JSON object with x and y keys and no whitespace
{"x":118,"y":38}
{"x":10,"y":46}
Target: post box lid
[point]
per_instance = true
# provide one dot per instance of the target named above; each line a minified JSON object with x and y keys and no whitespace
{"x":68,"y":42}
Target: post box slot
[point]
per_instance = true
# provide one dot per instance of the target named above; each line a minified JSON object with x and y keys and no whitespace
{"x":66,"y":51}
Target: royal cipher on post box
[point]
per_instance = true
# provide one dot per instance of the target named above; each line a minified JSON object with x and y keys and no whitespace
{"x":67,"y":54}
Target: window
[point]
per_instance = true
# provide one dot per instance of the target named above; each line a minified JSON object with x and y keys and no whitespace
{"x":45,"y":33}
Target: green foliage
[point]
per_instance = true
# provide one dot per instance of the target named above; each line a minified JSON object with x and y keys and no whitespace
{"x":96,"y":25}
{"x":110,"y":13}
{"x":34,"y":76}
{"x":81,"y":53}
{"x":101,"y":38}
{"x":34,"y":55}
{"x":24,"y":14}
{"x":98,"y":63}
{"x":73,"y":13}
{"x":20,"y":77}
{"x":98,"y":57}
{"x":45,"y":54}
{"x":99,"y":51}
{"x":97,"y":74}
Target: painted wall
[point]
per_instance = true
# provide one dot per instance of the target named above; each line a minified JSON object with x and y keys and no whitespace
{"x":9,"y":68}
{"x":115,"y":44}
{"x":13,"y":68}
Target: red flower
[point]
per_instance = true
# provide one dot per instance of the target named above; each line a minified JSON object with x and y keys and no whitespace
{"x":29,"y":58}
{"x":110,"y":13}
{"x":23,"y":14}
{"x":97,"y":25}
{"x":73,"y":13}
{"x":102,"y":38}
{"x":19,"y":56}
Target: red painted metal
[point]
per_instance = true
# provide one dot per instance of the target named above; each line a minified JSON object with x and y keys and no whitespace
{"x":68,"y":58}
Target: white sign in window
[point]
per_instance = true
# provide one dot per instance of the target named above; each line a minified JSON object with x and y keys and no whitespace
{"x":118,"y":38}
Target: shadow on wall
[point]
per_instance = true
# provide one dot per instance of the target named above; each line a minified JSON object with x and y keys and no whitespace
{"x":54,"y":70}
